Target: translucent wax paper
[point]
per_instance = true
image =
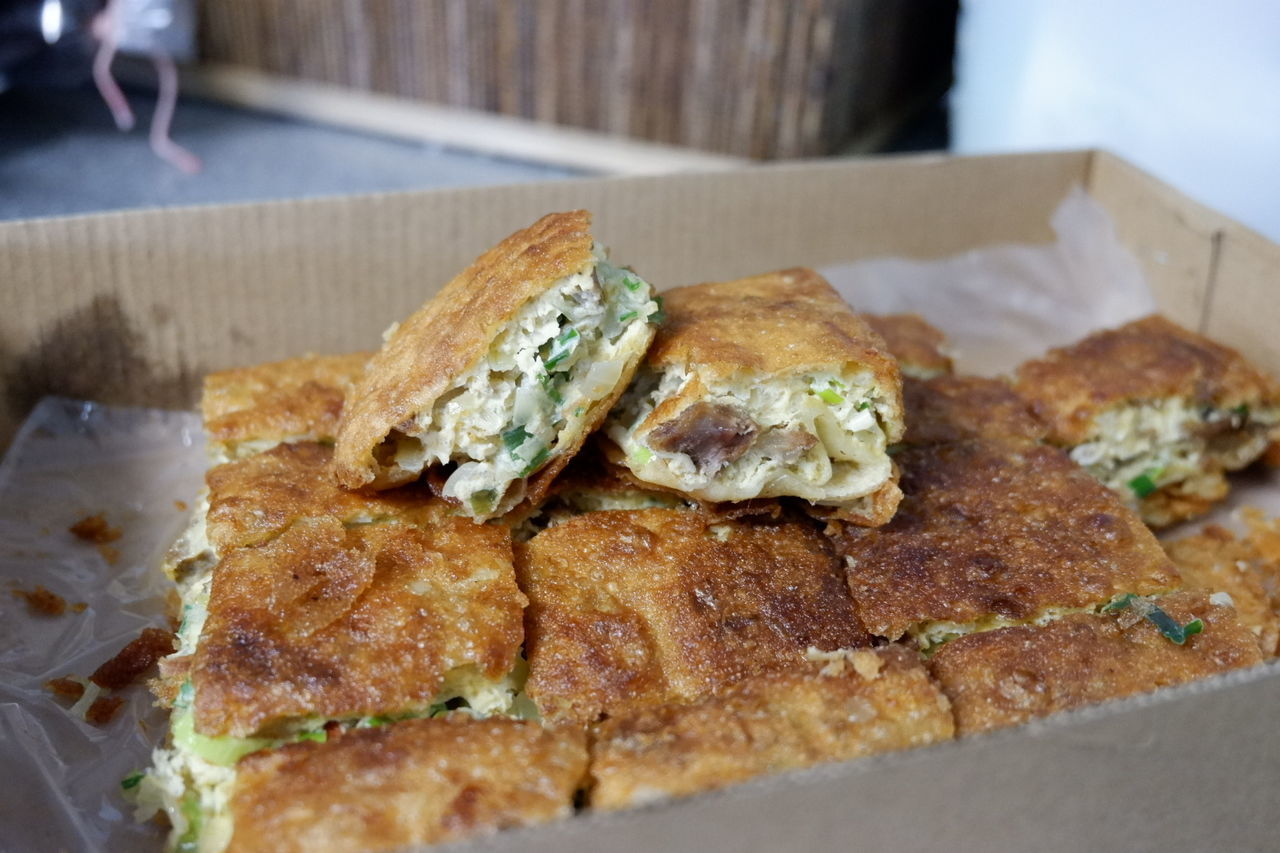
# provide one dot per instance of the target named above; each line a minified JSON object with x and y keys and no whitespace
{"x":998,"y":306}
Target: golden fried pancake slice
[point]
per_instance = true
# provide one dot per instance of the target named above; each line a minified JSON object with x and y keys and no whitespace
{"x":1215,"y":560}
{"x":854,"y":704}
{"x":955,"y":408}
{"x":629,"y":608}
{"x":504,"y":373}
{"x":414,"y":782}
{"x":335,"y":622}
{"x":1156,"y":412}
{"x":1012,"y":675}
{"x":252,"y":500}
{"x":763,"y":387}
{"x":996,"y":531}
{"x":914,"y":342}
{"x":250,"y":409}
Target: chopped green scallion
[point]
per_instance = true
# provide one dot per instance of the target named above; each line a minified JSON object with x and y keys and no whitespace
{"x":627,"y":317}
{"x":830,"y":397}
{"x":1145,"y":483}
{"x":548,"y":383}
{"x":1149,"y":610}
{"x":513,"y":438}
{"x":641,"y":455}
{"x":660,"y":316}
{"x":482,"y":502}
{"x":536,"y":462}
{"x":318,"y":737}
{"x":632,"y":283}
{"x":563,"y":347}
{"x":131,"y":781}
{"x":863,"y":406}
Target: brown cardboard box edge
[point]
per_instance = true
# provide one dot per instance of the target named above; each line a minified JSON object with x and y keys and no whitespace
{"x":134,"y":307}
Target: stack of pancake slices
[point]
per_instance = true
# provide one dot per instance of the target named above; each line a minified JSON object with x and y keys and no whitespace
{"x":563,"y":544}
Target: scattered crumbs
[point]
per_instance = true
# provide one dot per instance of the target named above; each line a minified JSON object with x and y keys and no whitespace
{"x":110,"y":554}
{"x":867,"y":664}
{"x":80,"y":606}
{"x":65,"y":688}
{"x":42,"y":602}
{"x":181,"y":505}
{"x":134,"y":659}
{"x":103,"y":710}
{"x":94,"y":528}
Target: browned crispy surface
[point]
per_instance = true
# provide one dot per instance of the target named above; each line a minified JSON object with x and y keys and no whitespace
{"x":634,"y":608}
{"x":341,"y":622}
{"x":452,"y":332}
{"x":875,"y":702}
{"x":103,"y":710}
{"x":1011,"y":675}
{"x":300,"y":398}
{"x":1148,"y":359}
{"x":414,"y":782}
{"x":1263,"y":535}
{"x":65,"y":688}
{"x":997,"y":528}
{"x":253,"y":499}
{"x":1216,"y":561}
{"x":954,"y":408}
{"x":915,"y":343}
{"x":777,"y":324}
{"x":1184,"y":499}
{"x":94,"y":528}
{"x":41,"y":601}
{"x":138,"y":656}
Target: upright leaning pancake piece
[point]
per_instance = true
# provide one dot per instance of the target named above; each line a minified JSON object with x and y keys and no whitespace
{"x":954,"y":408}
{"x":917,"y":345}
{"x":408,"y":783}
{"x":764,"y":387}
{"x":1011,"y":675}
{"x":1156,"y":412}
{"x":849,"y":705}
{"x":633,"y":608}
{"x":503,"y":374}
{"x":995,"y":532}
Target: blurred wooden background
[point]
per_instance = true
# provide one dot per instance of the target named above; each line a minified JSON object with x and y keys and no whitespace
{"x":754,"y":78}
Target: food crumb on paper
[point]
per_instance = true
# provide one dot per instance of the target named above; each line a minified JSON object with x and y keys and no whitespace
{"x":134,"y":659}
{"x":42,"y":602}
{"x":65,"y":688}
{"x":103,"y":710}
{"x":94,"y":528}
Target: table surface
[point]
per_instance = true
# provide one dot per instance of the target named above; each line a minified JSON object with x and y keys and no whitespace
{"x":60,"y":153}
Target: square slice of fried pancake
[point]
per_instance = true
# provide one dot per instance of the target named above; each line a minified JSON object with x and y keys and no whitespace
{"x":332,"y":621}
{"x":856,"y":703}
{"x":414,"y":782}
{"x":1012,"y":675}
{"x":250,"y":409}
{"x":914,"y":342}
{"x":996,"y":531}
{"x":955,"y":408}
{"x":629,"y":608}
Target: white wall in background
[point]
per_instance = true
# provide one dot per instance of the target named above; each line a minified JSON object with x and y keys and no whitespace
{"x":1187,"y":89}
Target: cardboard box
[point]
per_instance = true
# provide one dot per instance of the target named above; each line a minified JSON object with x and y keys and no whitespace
{"x":135,"y":307}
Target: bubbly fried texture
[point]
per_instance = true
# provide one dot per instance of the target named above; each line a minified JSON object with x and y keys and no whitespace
{"x":781,"y":323}
{"x":414,"y":782}
{"x":914,"y":342}
{"x":296,"y":399}
{"x":867,"y":703}
{"x":1216,"y":561}
{"x":1148,"y":359}
{"x":137,"y":656}
{"x":339,"y":622}
{"x":1011,"y":675}
{"x":451,"y":333}
{"x":997,"y":529}
{"x":252,"y":500}
{"x":629,"y":608}
{"x":955,"y":408}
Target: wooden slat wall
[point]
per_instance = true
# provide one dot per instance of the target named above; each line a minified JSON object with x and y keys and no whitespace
{"x":755,"y":78}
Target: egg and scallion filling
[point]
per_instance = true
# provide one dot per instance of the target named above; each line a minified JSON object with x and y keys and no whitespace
{"x":762,"y":387}
{"x":504,"y":374}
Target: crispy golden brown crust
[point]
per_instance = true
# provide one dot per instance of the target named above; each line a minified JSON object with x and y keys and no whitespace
{"x":1148,"y":359}
{"x":997,"y":529}
{"x":915,"y":343}
{"x":1216,"y":561}
{"x":337,"y":622}
{"x":451,"y":333}
{"x":137,"y":656}
{"x":777,"y":324}
{"x":414,"y":782}
{"x":252,"y":500}
{"x":300,"y":398}
{"x":955,"y":408}
{"x":1185,"y":499}
{"x":875,"y":701}
{"x":1011,"y":675}
{"x":635,"y":608}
